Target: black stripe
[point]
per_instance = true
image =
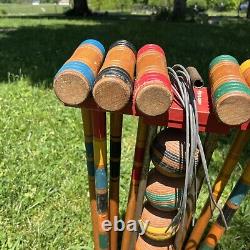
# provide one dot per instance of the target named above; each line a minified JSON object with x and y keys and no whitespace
{"x":167,"y":154}
{"x":228,"y":213}
{"x":115,"y":72}
{"x":102,"y":202}
{"x":114,"y":169}
{"x":124,"y":42}
{"x":115,"y":149}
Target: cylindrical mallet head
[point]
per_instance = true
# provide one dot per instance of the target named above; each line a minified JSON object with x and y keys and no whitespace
{"x":168,"y":152}
{"x":160,"y":224}
{"x":163,"y":192}
{"x":245,"y":70}
{"x":152,"y":92}
{"x":74,"y":81}
{"x":230,"y":92}
{"x":144,"y":243}
{"x":114,"y":83}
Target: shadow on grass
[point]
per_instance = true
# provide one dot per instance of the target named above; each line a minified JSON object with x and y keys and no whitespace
{"x":38,"y":51}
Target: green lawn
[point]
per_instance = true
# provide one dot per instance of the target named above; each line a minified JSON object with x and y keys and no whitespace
{"x":43,"y":178}
{"x":29,"y":9}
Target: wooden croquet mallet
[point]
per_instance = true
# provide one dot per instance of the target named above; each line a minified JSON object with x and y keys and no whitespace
{"x":221,"y":181}
{"x":233,"y":203}
{"x":88,"y":139}
{"x":75,"y":80}
{"x":101,"y":184}
{"x":142,"y":131}
{"x":114,"y":83}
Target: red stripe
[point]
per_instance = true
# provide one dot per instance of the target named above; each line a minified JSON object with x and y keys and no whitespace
{"x":154,"y":76}
{"x":136,"y":174}
{"x":139,"y":153}
{"x":147,"y":47}
{"x":99,"y":124}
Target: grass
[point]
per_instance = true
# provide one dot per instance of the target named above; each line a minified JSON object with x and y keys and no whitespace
{"x":29,"y":9}
{"x":225,"y":13}
{"x":43,"y":179}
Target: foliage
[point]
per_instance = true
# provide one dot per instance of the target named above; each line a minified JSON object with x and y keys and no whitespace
{"x":128,"y":4}
{"x":223,"y":4}
{"x":43,"y":179}
{"x":204,"y":4}
{"x":201,"y":4}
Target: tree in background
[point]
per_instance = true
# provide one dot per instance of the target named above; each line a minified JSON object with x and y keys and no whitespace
{"x":179,"y":11}
{"x":80,"y":8}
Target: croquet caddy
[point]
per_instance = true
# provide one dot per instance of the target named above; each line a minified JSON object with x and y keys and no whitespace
{"x":173,"y":108}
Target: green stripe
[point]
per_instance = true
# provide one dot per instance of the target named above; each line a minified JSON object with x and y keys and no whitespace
{"x":169,"y":197}
{"x":204,"y":246}
{"x":229,"y":87}
{"x":160,"y":201}
{"x":103,"y":241}
{"x":221,"y":58}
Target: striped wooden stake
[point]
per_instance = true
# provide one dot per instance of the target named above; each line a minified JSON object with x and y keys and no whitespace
{"x":143,"y":182}
{"x":231,"y":206}
{"x":210,"y":145}
{"x":115,"y":159}
{"x":101,"y":185}
{"x":88,"y":136}
{"x":142,"y":131}
{"x":219,"y":185}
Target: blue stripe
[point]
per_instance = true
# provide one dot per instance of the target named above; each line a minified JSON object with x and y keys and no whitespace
{"x":80,"y":67}
{"x":89,"y":149}
{"x":90,"y":163}
{"x":239,"y":193}
{"x":95,"y":43}
{"x":101,"y":179}
{"x":91,"y":168}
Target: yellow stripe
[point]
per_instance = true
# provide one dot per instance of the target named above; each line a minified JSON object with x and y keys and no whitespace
{"x":100,"y":156}
{"x":244,"y":66}
{"x":160,"y":233}
{"x":246,"y":174}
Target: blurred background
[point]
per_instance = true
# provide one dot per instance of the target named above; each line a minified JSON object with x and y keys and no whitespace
{"x":43,"y":177}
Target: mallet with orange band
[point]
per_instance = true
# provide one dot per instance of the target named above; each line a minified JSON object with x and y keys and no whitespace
{"x":245,"y":70}
{"x":230,"y":162}
{"x":142,"y":132}
{"x":230,"y":92}
{"x":233,"y":203}
{"x":152,"y":92}
{"x":75,"y":80}
{"x":114,"y":84}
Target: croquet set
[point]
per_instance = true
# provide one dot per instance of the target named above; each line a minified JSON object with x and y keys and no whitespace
{"x":173,"y":108}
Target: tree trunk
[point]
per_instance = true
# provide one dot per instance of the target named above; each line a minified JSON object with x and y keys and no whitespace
{"x":81,"y":8}
{"x":248,"y":10}
{"x":179,"y":11}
